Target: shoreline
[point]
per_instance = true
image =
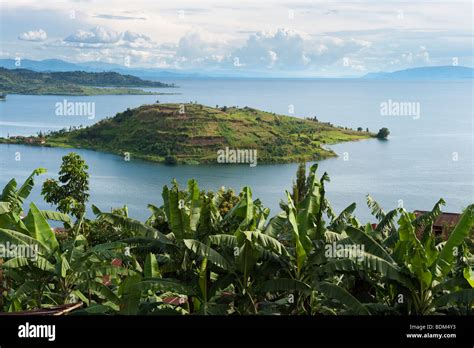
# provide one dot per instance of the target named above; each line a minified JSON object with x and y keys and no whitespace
{"x":161,"y":160}
{"x":139,"y":92}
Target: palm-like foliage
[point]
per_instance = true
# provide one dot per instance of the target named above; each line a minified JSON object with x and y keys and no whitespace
{"x":217,"y":253}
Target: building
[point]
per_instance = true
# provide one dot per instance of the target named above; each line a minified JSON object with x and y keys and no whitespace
{"x":443,"y":225}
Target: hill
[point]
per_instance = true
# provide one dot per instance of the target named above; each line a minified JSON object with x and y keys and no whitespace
{"x":49,"y":65}
{"x":23,"y":81}
{"x":426,"y":73}
{"x":162,"y":133}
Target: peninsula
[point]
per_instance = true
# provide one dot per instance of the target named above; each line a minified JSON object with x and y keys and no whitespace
{"x":23,"y":81}
{"x":193,"y":133}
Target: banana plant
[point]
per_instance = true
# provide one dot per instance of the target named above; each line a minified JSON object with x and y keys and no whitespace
{"x":50,"y":273}
{"x":217,"y":253}
{"x":415,"y":277}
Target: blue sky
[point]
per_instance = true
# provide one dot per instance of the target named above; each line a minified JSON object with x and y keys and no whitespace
{"x":284,"y":38}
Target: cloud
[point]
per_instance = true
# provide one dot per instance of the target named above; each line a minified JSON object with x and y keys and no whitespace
{"x":116,"y":17}
{"x":420,"y":58}
{"x":94,"y":36}
{"x":131,"y":36}
{"x":38,"y":35}
{"x":324,"y":33}
{"x":329,"y":49}
{"x":287,"y":49}
{"x":279,"y":50}
{"x":283,"y":48}
{"x":198,"y":48}
{"x":193,"y":46}
{"x":100,"y":37}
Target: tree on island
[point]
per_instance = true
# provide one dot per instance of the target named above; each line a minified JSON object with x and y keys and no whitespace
{"x":383,"y":133}
{"x":171,"y":160}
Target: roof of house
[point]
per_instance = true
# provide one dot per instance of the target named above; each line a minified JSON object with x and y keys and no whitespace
{"x":444,"y":219}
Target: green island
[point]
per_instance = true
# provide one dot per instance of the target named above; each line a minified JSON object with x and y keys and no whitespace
{"x":24,"y":81}
{"x":193,"y":133}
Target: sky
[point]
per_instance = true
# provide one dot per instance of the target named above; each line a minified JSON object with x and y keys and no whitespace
{"x":277,"y":37}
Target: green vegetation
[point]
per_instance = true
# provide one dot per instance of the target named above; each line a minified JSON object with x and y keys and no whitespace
{"x":193,"y":133}
{"x":23,"y":81}
{"x":217,"y":253}
{"x":70,"y":192}
{"x":383,"y":133}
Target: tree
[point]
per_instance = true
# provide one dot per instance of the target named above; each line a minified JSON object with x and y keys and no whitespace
{"x":300,"y":188}
{"x":383,"y":133}
{"x":171,"y":160}
{"x":215,"y":253}
{"x":359,"y":129}
{"x":70,"y":192}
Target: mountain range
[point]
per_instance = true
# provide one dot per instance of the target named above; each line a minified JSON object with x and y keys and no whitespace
{"x":51,"y":65}
{"x":425,"y":73}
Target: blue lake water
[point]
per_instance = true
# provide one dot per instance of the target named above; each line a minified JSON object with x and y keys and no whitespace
{"x":426,"y":157}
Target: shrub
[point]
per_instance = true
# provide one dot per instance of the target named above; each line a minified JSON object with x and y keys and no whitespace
{"x":383,"y":133}
{"x":171,"y":160}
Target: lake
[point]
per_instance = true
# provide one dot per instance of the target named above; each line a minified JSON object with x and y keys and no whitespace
{"x":429,"y":154}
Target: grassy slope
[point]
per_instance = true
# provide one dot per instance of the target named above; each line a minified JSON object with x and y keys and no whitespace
{"x":152,"y":131}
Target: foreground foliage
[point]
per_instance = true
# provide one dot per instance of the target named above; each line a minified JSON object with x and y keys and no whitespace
{"x":218,"y":253}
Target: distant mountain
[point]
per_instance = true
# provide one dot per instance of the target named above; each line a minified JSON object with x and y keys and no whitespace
{"x":42,"y":65}
{"x":51,"y":65}
{"x":425,"y":73}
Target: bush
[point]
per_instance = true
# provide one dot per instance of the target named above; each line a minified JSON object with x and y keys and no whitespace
{"x":383,"y":133}
{"x":171,"y":160}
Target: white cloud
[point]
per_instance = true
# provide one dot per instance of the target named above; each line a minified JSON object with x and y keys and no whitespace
{"x":94,"y":36}
{"x":417,"y":58}
{"x":34,"y":35}
{"x":131,"y":36}
{"x":287,"y":49}
{"x":211,"y":35}
{"x":100,"y":37}
{"x":283,"y":48}
{"x":100,"y":34}
{"x":198,"y":48}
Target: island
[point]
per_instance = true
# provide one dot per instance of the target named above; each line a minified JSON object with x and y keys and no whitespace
{"x":193,"y":133}
{"x":24,"y":81}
